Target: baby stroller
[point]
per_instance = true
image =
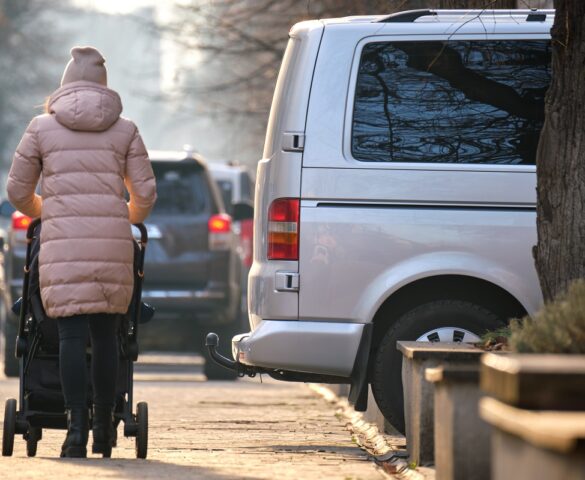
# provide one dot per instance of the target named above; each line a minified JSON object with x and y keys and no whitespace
{"x":41,"y":402}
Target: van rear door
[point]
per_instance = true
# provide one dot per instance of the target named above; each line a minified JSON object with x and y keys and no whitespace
{"x":272,"y":291}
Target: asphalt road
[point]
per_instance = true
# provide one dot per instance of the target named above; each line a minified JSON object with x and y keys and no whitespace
{"x":212,"y":430}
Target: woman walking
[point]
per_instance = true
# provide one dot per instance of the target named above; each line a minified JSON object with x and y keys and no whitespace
{"x":85,"y":155}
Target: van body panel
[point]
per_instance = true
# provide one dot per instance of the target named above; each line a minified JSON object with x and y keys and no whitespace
{"x":277,"y":177}
{"x":310,"y":346}
{"x":279,"y":172}
{"x":293,"y":85}
{"x":357,"y":256}
{"x":457,"y":186}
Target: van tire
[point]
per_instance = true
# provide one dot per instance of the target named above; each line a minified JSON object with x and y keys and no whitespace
{"x":386,"y":374}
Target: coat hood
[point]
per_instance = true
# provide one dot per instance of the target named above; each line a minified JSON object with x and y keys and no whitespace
{"x":85,"y":106}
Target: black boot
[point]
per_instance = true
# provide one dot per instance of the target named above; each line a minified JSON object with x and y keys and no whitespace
{"x":103,"y":430}
{"x":75,"y":445}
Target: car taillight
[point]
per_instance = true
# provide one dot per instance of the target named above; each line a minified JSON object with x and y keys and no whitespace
{"x":220,"y":231}
{"x":283,"y":229}
{"x":20,"y":221}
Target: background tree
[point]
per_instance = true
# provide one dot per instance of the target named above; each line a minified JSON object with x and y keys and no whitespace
{"x":26,"y":40}
{"x":560,"y":252}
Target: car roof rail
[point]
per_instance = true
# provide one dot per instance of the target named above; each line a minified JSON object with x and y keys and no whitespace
{"x":409,"y":16}
{"x":536,"y":16}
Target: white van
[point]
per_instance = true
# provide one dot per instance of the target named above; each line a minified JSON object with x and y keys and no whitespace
{"x":396,"y":195}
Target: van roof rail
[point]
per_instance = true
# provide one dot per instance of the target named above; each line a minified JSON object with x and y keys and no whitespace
{"x":410,"y":16}
{"x":407,"y":16}
{"x":536,"y":16}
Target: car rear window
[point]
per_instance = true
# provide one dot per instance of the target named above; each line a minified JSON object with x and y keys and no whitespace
{"x":181,"y":189}
{"x":450,"y":102}
{"x":246,"y":186}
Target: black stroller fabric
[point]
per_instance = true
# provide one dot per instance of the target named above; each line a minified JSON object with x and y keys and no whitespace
{"x":42,"y":383}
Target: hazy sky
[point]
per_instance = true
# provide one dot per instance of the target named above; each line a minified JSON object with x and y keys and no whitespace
{"x":177,"y":120}
{"x":170,"y":55}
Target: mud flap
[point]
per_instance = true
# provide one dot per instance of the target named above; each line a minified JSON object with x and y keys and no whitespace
{"x":358,"y":393}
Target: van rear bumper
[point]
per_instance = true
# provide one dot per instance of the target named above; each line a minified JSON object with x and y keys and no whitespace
{"x":311,"y":347}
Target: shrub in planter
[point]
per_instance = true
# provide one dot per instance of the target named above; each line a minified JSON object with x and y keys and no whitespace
{"x":558,"y":328}
{"x":537,"y":409}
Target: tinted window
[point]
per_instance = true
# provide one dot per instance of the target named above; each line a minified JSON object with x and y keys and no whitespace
{"x":180,"y":188}
{"x":450,"y":102}
{"x":246,"y":186}
{"x":226,"y":190}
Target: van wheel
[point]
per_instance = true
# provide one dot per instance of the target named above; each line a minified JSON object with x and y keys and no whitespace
{"x":443,"y":320}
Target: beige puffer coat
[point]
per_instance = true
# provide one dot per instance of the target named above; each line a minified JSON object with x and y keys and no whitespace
{"x":86,"y":153}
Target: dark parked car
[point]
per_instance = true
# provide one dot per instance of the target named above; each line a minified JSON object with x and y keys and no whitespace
{"x":192,"y":266}
{"x":192,"y":263}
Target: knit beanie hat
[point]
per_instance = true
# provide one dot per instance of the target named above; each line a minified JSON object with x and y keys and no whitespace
{"x":87,"y":64}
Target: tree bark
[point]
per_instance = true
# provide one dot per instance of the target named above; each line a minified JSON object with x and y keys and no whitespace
{"x":560,"y":251}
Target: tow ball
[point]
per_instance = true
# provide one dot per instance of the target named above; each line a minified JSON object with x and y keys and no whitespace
{"x":212,"y":342}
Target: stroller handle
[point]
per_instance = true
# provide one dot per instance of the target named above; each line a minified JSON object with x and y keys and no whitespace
{"x":36,"y":222}
{"x":143,"y":232}
{"x":31,"y":229}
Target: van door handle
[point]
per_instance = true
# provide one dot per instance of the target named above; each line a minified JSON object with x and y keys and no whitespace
{"x":286,"y":281}
{"x":293,"y":142}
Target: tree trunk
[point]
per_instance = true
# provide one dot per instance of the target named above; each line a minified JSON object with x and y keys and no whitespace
{"x":560,"y":251}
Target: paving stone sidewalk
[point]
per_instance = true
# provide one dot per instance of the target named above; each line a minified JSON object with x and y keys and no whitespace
{"x":214,"y":430}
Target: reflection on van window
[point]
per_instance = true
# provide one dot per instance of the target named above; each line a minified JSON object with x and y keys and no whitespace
{"x":180,"y":190}
{"x":451,"y":102}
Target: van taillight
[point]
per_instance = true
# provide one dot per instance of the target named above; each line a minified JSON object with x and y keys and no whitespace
{"x":220,"y":231}
{"x":20,"y":221}
{"x":283,"y":229}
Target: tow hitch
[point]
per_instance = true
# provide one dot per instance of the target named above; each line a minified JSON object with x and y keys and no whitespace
{"x":212,"y":342}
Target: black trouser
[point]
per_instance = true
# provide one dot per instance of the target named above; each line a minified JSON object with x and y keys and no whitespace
{"x":73,"y":333}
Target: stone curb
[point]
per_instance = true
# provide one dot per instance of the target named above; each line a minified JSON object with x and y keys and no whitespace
{"x":385,"y":450}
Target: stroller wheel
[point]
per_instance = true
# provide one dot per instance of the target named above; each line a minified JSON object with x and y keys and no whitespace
{"x":142,"y":431}
{"x":33,"y":436}
{"x":9,"y":427}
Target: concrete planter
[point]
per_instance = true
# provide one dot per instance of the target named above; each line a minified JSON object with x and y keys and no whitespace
{"x":418,"y":393}
{"x":537,"y":415}
{"x":462,"y":438}
{"x":543,"y":382}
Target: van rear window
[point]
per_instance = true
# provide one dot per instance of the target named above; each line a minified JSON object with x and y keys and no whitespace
{"x":451,"y":102}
